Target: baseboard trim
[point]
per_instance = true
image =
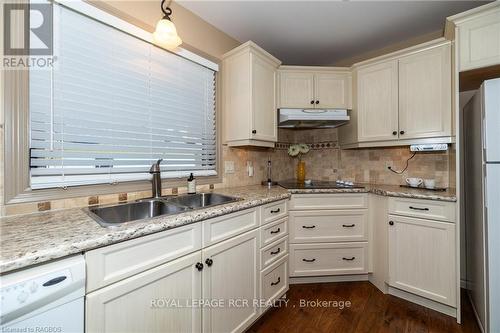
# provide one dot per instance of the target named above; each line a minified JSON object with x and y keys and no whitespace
{"x":476,"y":315}
{"x":326,"y":279}
{"x":439,"y":307}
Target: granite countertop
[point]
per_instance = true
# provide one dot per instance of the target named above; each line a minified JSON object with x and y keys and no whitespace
{"x":39,"y":237}
{"x":388,"y":190}
{"x":35,"y":238}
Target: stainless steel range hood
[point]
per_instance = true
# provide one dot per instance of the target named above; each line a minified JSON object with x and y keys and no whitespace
{"x":312,"y":118}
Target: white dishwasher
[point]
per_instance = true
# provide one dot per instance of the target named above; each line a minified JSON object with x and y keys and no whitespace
{"x":45,"y":298}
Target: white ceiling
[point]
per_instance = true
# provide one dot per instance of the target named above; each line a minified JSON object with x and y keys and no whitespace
{"x":325,"y":32}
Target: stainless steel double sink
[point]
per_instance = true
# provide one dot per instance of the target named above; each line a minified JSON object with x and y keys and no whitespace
{"x":115,"y":215}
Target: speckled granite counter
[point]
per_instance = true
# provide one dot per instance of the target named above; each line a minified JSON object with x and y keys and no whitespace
{"x":388,"y":190}
{"x":35,"y":238}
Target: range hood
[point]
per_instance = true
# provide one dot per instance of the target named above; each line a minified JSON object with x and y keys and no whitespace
{"x":312,"y":118}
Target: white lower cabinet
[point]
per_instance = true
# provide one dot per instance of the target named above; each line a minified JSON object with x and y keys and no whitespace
{"x":422,"y":258}
{"x":328,"y":259}
{"x":231,"y":274}
{"x":186,"y":286}
{"x":147,"y":302}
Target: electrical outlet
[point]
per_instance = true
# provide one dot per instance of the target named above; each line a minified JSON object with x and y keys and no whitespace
{"x":229,"y":166}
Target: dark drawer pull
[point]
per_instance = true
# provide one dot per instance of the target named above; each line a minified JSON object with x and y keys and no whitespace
{"x":308,"y":227}
{"x":276,"y":231}
{"x":276,"y":252}
{"x":309,"y":260}
{"x":417,"y":208}
{"x":275,"y":211}
{"x":349,"y":259}
{"x":348,"y":225}
{"x":275,"y":283}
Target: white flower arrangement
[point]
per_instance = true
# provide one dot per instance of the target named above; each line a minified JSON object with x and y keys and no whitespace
{"x":298,"y":150}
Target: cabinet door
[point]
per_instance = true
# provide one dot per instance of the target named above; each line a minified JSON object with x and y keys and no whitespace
{"x":377,"y":102}
{"x":331,"y":90}
{"x":233,"y":276}
{"x":479,"y":41}
{"x":296,"y":90}
{"x":422,"y":258}
{"x":425,"y":94}
{"x":264,"y":116}
{"x":156,"y":300}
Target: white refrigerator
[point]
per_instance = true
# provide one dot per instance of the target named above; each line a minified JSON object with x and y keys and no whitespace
{"x":481,"y":121}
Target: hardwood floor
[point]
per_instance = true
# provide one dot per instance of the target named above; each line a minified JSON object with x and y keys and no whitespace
{"x":370,"y":311}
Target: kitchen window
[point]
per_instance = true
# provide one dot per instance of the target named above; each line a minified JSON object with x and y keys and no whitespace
{"x":114,"y":104}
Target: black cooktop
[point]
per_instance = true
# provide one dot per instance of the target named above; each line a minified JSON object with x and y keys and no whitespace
{"x":315,"y":184}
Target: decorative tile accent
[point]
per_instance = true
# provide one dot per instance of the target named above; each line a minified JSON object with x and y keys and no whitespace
{"x":43,"y":206}
{"x":94,"y":200}
{"x":211,"y":186}
{"x":122,"y":197}
{"x":175,"y":190}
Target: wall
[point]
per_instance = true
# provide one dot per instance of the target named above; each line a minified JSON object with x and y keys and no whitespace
{"x":369,"y":165}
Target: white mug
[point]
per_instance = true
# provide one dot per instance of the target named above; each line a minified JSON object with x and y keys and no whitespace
{"x":414,"y":182}
{"x":429,"y":183}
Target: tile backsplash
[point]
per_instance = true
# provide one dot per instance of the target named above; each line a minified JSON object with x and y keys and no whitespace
{"x":325,"y":162}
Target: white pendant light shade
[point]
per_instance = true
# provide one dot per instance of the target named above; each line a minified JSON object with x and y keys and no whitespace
{"x":165,"y":35}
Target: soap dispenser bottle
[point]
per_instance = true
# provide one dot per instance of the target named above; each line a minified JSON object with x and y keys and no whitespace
{"x":191,"y":187}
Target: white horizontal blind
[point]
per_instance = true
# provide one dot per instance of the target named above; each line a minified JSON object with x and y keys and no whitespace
{"x":113,"y":105}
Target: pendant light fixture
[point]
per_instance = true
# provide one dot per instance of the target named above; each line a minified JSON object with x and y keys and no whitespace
{"x":165,"y":34}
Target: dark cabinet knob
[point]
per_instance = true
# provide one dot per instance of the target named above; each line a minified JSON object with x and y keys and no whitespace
{"x":391,"y":223}
{"x":401,"y":132}
{"x":254,"y":131}
{"x":209,"y":262}
{"x":277,"y":281}
{"x":199,"y":266}
{"x":317,"y":102}
{"x":395,"y":133}
{"x":312,"y":102}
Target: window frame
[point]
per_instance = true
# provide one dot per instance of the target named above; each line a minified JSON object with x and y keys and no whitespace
{"x":16,"y":131}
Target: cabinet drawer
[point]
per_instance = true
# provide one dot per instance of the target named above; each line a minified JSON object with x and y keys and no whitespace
{"x":273,"y":231}
{"x":320,"y":226}
{"x":328,"y":201}
{"x":273,"y":211}
{"x":328,"y":259}
{"x":220,"y":228}
{"x":428,"y":209}
{"x":115,"y":262}
{"x":273,"y":252}
{"x":274,"y":280}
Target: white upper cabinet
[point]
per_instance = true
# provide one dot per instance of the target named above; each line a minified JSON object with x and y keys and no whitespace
{"x":249,"y":96}
{"x":332,"y":90}
{"x":314,"y":87}
{"x":478,"y":36}
{"x":425,"y":94}
{"x":402,"y":98}
{"x":377,"y":98}
{"x":296,"y":90}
